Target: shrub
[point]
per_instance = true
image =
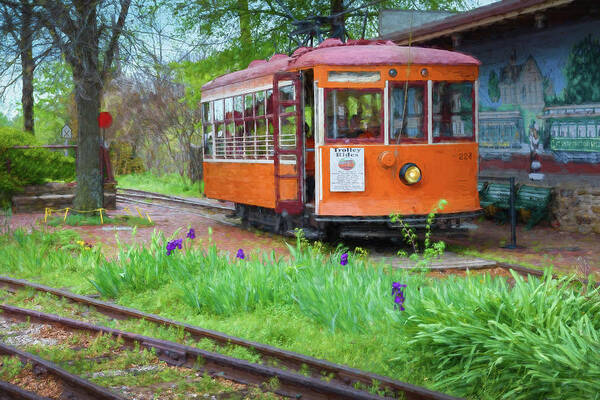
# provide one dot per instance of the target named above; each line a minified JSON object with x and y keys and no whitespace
{"x":28,"y":166}
{"x":124,"y":160}
{"x":536,"y":340}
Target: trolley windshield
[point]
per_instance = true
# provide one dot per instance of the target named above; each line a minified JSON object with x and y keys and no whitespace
{"x":354,"y":114}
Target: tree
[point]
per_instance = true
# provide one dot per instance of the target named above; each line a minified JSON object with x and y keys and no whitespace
{"x":24,"y":40}
{"x":87,"y":34}
{"x":582,"y":72}
{"x":54,"y":101}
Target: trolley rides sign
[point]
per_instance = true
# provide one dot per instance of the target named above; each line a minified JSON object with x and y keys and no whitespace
{"x":347,"y":169}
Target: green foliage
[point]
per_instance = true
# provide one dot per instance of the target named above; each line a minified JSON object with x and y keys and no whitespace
{"x":11,"y":367}
{"x":55,"y":256}
{"x":5,"y":121}
{"x":169,"y":184}
{"x":53,"y":107}
{"x":583,"y":73}
{"x":123,"y":160}
{"x":246,"y":31}
{"x":28,"y":166}
{"x":473,"y":336}
{"x":87,"y":220}
{"x":5,"y":218}
{"x":538,"y":339}
{"x":431,"y":250}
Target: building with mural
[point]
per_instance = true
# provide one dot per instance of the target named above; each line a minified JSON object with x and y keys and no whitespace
{"x":539,"y":85}
{"x":540,"y":76}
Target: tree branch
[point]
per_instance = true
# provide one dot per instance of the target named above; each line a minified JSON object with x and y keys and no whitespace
{"x":114,"y":39}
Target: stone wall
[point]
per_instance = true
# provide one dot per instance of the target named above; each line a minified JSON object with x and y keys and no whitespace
{"x":56,"y":195}
{"x":577,"y":208}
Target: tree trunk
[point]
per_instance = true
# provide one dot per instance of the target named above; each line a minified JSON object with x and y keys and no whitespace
{"x":338,"y":23}
{"x":27,"y":66}
{"x":195,"y":166}
{"x":90,"y":192}
{"x":245,"y":32}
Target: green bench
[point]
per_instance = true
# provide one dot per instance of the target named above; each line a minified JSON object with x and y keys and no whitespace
{"x":495,"y":194}
{"x":536,"y":199}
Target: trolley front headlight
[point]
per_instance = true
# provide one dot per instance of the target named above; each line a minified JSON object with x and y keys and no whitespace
{"x":410,"y":174}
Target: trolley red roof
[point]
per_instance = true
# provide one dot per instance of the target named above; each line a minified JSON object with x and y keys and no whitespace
{"x":334,"y":52}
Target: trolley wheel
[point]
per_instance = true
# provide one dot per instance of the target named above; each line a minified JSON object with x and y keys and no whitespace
{"x":242,"y":211}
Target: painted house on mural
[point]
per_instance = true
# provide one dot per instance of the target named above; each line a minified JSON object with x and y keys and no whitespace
{"x":539,"y":92}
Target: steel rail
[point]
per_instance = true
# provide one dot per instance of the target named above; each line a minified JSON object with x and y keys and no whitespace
{"x":290,"y":384}
{"x":74,"y":387}
{"x":342,"y":375}
{"x":178,"y":208}
{"x":9,"y":391}
{"x":174,"y":199}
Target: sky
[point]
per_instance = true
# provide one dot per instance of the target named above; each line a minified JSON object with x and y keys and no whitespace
{"x":11,"y":101}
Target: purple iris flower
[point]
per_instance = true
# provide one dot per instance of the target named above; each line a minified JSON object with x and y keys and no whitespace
{"x":240,"y":254}
{"x":170,"y":247}
{"x":191,"y":234}
{"x":399,"y":300}
{"x":174,"y":244}
{"x":397,"y":289}
{"x":344,"y":259}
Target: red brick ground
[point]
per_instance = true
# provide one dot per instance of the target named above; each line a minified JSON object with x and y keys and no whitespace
{"x":542,"y":246}
{"x":227,"y":238}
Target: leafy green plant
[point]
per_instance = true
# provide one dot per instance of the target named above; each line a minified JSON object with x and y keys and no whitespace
{"x":22,"y":167}
{"x":476,"y":336}
{"x":431,"y":250}
{"x":11,"y":367}
{"x":5,"y":218}
{"x":538,"y":339}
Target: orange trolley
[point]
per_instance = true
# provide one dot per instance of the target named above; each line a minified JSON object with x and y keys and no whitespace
{"x":334,"y":139}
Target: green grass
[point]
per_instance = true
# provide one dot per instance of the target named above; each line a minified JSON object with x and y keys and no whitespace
{"x":11,"y":367}
{"x":84,"y":220}
{"x":472,"y":336}
{"x":169,"y":184}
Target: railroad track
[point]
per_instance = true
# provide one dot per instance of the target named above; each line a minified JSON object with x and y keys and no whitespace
{"x":140,"y":195}
{"x":71,"y":386}
{"x":191,"y":206}
{"x":341,"y":385}
{"x":289,"y":384}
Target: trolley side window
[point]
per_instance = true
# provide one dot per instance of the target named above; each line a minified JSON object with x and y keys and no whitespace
{"x":207,"y":129}
{"x":453,"y":112}
{"x":407,"y":116}
{"x":353,"y":115}
{"x":219,"y":133}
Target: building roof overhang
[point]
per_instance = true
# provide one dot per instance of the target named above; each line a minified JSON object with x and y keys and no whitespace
{"x":475,"y":19}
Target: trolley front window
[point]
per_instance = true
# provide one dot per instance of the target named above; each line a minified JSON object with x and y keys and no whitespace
{"x":407,"y":116}
{"x":453,"y":111}
{"x":353,"y":115}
